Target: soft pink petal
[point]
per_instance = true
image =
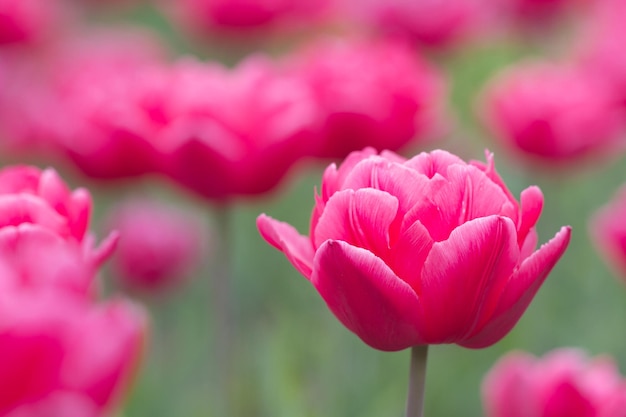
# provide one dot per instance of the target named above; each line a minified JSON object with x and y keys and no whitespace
{"x":436,"y":162}
{"x":506,"y":388}
{"x":409,"y":253}
{"x":520,"y":290}
{"x":366,"y":296}
{"x":285,"y":238}
{"x":98,"y":255}
{"x":20,"y":178}
{"x":408,"y":185}
{"x":333,"y":178}
{"x":464,"y":276}
{"x":361,"y":218}
{"x":531,"y":205}
{"x":16,"y":209}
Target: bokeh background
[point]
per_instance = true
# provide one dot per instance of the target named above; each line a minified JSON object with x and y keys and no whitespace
{"x":292,"y":358}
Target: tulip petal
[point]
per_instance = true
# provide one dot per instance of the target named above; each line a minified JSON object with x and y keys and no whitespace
{"x":531,"y":205}
{"x":409,"y":254}
{"x":520,"y":290}
{"x":334,"y":178}
{"x":285,"y":238}
{"x":468,"y":271}
{"x":436,"y":162}
{"x":408,"y":185}
{"x":366,"y":296}
{"x":361,"y":218}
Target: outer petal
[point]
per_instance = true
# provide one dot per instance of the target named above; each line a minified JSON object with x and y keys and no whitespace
{"x":334,"y":178}
{"x":361,"y":218}
{"x":409,"y":253}
{"x":16,"y":209}
{"x":366,"y":296}
{"x":464,"y":276}
{"x":520,"y":290}
{"x":531,"y":206}
{"x":284,"y":237}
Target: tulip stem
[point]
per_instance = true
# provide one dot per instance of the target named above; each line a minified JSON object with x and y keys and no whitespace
{"x":417,"y":379}
{"x":222,"y":309}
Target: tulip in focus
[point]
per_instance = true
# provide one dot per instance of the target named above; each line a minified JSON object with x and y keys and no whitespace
{"x":608,"y":230}
{"x":159,"y":245}
{"x":419,"y":251}
{"x":398,"y":100}
{"x":564,"y":383}
{"x":553,"y":114}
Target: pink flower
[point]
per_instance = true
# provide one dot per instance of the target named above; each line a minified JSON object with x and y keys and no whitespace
{"x":599,"y":49}
{"x":553,"y":114}
{"x":100,"y":81}
{"x":608,"y":229}
{"x":29,"y":21}
{"x":398,"y":100}
{"x":61,"y":356}
{"x":246,"y":16}
{"x":235,"y":132}
{"x":427,"y":22}
{"x":150,"y":258}
{"x":427,"y":250}
{"x":564,"y":383}
{"x":531,"y":14}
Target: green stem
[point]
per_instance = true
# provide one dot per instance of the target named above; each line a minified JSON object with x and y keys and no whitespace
{"x":417,"y":380}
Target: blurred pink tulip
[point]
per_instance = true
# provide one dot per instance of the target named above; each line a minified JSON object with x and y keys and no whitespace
{"x":241,"y":17}
{"x":564,"y":383}
{"x":396,"y":101}
{"x":427,"y":250}
{"x":30,"y":21}
{"x":608,"y":229}
{"x":235,"y":132}
{"x":100,"y":80}
{"x":600,"y":47}
{"x":553,"y":114}
{"x":150,"y":258}
{"x":60,"y":356}
{"x":432,"y":23}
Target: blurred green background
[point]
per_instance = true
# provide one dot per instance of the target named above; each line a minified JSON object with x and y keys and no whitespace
{"x":291,"y":357}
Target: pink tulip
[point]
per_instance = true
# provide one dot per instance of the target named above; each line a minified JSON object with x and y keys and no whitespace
{"x":100,"y":81}
{"x":29,"y":21}
{"x":564,"y":383}
{"x":235,"y":132}
{"x":433,"y":23}
{"x":608,"y":229}
{"x":600,"y":48}
{"x":398,"y":100}
{"x":553,"y":114}
{"x":249,"y":16}
{"x":61,"y":356}
{"x":150,"y":258}
{"x":421,"y":251}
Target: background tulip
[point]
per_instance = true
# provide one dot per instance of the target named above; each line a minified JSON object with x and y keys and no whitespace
{"x":563,"y":383}
{"x":421,"y":251}
{"x":608,"y":230}
{"x":150,"y":258}
{"x":553,"y":114}
{"x":398,"y":101}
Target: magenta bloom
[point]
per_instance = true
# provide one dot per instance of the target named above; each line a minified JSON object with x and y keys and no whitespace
{"x":235,"y":132}
{"x":28,"y":21}
{"x":398,"y":100}
{"x":564,"y":383}
{"x":427,"y":250}
{"x":150,"y":258}
{"x":608,"y":229}
{"x":100,"y":81}
{"x":433,"y":23}
{"x":553,"y":114}
{"x":245,"y":16}
{"x":61,"y":356}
